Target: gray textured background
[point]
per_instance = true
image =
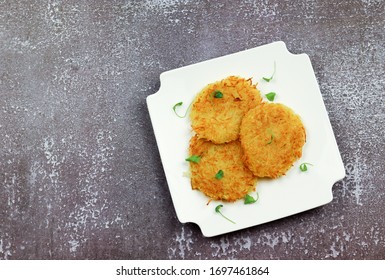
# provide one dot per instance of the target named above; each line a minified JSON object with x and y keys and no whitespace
{"x":80,"y":173}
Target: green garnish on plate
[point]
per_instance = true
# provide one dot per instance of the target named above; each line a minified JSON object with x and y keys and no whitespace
{"x":194,"y":158}
{"x":270,"y":96}
{"x":303,"y":166}
{"x":269,"y":79}
{"x":218,"y":94}
{"x":250,"y":200}
{"x":219,"y":174}
{"x":178,"y":105}
{"x":218,"y":210}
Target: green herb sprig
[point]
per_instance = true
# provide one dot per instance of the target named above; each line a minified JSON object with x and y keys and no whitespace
{"x":218,"y":94}
{"x":303,"y":166}
{"x":270,"y":96}
{"x":269,"y":79}
{"x":250,"y":200}
{"x":219,"y":174}
{"x":218,"y":210}
{"x":194,"y":158}
{"x":178,"y":105}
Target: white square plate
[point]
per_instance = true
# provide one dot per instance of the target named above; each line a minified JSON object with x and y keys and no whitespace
{"x":296,"y":86}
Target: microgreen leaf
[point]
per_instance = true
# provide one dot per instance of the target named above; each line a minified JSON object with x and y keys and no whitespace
{"x":178,"y":105}
{"x":194,"y":158}
{"x":249,"y":199}
{"x":303,"y":166}
{"x":218,"y":210}
{"x":218,"y":94}
{"x":269,"y":79}
{"x":270,"y":96}
{"x":219,"y":174}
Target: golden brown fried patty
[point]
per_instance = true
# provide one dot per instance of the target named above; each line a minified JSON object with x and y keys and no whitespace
{"x":218,"y":109}
{"x":272,"y":137}
{"x":237,"y":180}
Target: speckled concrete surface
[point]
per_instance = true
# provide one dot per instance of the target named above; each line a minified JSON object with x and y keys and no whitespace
{"x":80,"y":173}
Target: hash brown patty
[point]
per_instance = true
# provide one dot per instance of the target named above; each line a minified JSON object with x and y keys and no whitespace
{"x":218,"y":109}
{"x":234,"y":182}
{"x":272,"y":137}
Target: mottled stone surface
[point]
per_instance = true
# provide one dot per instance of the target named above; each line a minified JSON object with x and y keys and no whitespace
{"x":80,"y":173}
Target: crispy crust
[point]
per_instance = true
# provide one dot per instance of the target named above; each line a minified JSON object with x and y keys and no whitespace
{"x":272,"y":137}
{"x":219,"y":119}
{"x":237,"y":180}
